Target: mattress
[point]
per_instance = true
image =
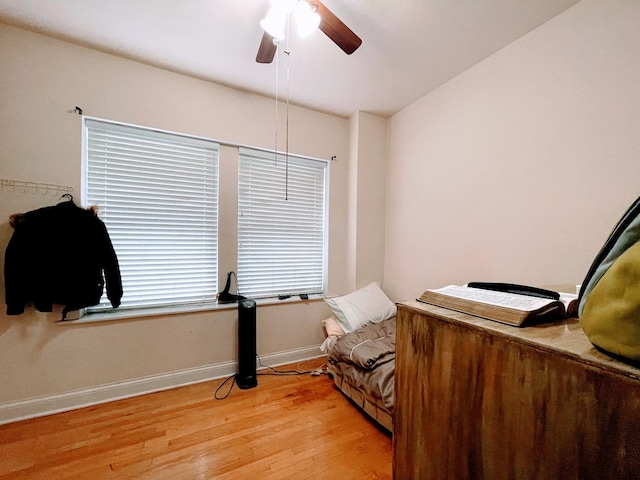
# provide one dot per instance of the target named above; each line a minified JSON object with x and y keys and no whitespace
{"x":362,"y":364}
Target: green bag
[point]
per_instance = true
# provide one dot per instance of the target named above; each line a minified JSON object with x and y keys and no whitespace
{"x":609,"y":299}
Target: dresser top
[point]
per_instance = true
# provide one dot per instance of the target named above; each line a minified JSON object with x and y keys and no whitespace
{"x":564,"y":337}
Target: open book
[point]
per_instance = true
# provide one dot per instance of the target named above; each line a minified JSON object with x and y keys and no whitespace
{"x":511,"y":308}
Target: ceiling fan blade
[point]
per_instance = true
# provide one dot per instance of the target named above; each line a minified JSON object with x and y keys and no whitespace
{"x":337,"y":31}
{"x":267,"y":49}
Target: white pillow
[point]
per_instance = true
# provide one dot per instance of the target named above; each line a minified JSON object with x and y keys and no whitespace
{"x":367,"y":305}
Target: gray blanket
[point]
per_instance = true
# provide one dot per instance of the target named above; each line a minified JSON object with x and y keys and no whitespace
{"x":369,"y":346}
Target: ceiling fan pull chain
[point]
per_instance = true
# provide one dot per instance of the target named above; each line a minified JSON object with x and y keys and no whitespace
{"x":286,"y":168}
{"x":286,"y":153}
{"x":275,"y":150}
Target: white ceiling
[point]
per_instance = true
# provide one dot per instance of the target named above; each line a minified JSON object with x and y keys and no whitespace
{"x":409,"y":47}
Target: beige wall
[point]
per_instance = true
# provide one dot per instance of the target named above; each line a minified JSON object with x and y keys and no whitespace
{"x":517,"y":169}
{"x":367,"y":198}
{"x":41,"y":79}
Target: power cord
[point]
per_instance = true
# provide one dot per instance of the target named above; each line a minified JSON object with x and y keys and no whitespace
{"x":272,"y":371}
{"x":233,"y":382}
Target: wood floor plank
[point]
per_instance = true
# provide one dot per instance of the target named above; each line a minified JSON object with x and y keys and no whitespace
{"x":289,"y":427}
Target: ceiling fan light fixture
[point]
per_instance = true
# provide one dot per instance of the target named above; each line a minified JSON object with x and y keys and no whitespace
{"x":307,"y":18}
{"x":274,"y":23}
{"x":329,"y":24}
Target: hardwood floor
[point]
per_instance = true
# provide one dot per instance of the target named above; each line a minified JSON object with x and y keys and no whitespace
{"x":288,"y":427}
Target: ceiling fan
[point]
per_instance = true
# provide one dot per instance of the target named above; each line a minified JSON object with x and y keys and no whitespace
{"x":317,"y":15}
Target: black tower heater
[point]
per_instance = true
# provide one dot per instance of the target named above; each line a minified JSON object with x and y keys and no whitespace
{"x":246,"y":377}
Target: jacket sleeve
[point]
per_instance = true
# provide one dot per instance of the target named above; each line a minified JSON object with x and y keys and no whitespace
{"x":111,"y":267}
{"x":15,"y":273}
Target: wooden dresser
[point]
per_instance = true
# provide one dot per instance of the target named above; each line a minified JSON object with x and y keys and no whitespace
{"x":476,"y":399}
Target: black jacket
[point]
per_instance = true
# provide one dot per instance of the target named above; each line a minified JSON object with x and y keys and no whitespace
{"x":57,"y":255}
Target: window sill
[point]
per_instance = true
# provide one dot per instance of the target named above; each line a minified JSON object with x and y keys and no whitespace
{"x":116,"y":314}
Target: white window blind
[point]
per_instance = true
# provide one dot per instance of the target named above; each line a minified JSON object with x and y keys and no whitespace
{"x":281,"y":225}
{"x":157,"y":193}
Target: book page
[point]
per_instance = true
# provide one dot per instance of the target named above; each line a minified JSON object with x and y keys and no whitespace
{"x":491,"y":297}
{"x":567,"y":298}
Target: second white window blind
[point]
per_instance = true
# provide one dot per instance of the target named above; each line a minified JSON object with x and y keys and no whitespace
{"x":281,"y":224}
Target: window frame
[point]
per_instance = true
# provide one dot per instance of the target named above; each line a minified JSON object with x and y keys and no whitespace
{"x":230,"y":151}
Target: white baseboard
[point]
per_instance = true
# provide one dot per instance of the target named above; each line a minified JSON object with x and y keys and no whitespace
{"x":38,"y":407}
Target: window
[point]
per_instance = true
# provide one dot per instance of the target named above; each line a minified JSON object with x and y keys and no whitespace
{"x":157,"y":193}
{"x":281,"y":224}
